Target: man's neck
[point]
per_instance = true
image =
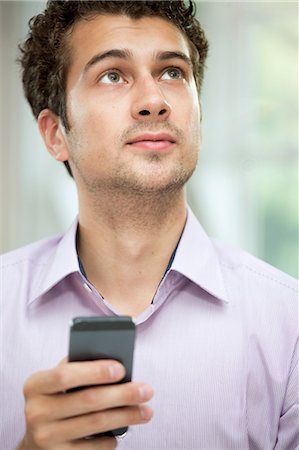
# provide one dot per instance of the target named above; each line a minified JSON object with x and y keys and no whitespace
{"x":125,"y":251}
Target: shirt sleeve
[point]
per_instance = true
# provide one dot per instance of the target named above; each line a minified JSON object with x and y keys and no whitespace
{"x":288,"y":431}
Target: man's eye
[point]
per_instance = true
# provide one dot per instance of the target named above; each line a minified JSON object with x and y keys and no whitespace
{"x":111,"y":77}
{"x":173,"y":74}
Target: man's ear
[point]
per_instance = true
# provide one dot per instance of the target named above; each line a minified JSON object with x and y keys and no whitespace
{"x":51,"y":130}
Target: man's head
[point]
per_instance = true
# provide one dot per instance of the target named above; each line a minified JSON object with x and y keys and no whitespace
{"x":45,"y":55}
{"x":67,"y":32}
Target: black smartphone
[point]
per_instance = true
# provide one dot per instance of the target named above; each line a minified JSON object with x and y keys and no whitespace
{"x":109,"y":337}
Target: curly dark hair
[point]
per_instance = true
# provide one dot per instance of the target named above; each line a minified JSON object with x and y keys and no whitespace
{"x":45,"y":55}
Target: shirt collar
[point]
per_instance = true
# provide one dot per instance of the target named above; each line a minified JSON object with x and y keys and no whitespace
{"x":197,"y":259}
{"x":61,"y":263}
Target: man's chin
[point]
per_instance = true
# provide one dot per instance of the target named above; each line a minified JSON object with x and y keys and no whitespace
{"x":156,"y":185}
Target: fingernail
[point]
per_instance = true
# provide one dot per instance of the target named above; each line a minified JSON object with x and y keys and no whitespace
{"x":145,"y":412}
{"x":116,"y":371}
{"x":145,"y":392}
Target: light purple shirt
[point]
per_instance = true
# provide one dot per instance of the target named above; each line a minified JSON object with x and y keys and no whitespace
{"x":219,"y":344}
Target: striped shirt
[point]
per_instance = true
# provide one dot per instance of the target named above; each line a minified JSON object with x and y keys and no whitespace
{"x":219,"y":343}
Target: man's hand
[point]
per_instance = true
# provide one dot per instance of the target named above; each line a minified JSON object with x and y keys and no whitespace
{"x":59,"y":420}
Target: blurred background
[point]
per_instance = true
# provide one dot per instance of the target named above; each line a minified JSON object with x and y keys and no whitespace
{"x":245,"y":190}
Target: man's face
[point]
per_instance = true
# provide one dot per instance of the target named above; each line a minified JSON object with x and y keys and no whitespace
{"x":132,"y":105}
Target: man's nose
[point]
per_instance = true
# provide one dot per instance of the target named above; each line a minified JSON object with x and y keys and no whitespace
{"x":150,"y":103}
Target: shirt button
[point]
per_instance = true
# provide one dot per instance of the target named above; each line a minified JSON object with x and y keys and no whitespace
{"x":87,"y":287}
{"x":121,"y":436}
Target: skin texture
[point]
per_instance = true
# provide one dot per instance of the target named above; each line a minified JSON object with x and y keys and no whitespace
{"x":132,"y":206}
{"x":104,"y":115}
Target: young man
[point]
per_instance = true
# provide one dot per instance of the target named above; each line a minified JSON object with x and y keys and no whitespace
{"x":115,"y":87}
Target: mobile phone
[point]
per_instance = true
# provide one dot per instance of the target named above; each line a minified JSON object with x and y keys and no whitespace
{"x":109,"y":337}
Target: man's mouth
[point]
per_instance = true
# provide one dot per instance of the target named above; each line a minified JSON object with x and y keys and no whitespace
{"x":153,"y":142}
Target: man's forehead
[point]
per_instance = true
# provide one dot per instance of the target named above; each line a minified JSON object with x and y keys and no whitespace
{"x":113,"y":30}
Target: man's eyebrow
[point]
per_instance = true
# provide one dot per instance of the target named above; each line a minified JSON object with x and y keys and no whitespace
{"x":113,"y":53}
{"x":163,"y":56}
{"x":127,"y":54}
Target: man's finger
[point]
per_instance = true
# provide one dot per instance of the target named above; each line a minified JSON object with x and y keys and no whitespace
{"x":74,"y":374}
{"x":89,"y":424}
{"x":94,"y":399}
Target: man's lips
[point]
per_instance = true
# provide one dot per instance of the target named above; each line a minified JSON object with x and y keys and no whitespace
{"x":158,"y":142}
